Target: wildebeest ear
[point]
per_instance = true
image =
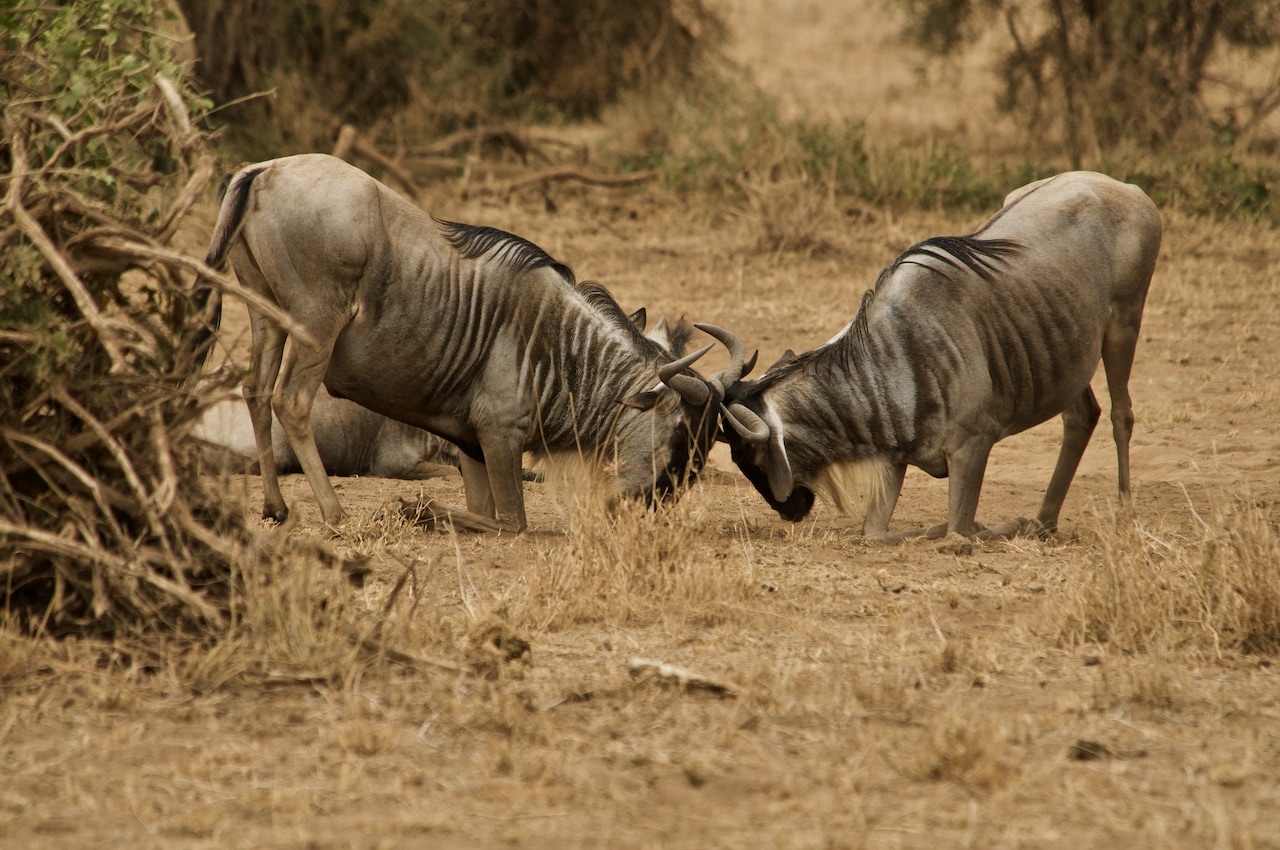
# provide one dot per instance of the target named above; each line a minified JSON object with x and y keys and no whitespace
{"x":641,"y":401}
{"x":787,"y":357}
{"x":639,"y":318}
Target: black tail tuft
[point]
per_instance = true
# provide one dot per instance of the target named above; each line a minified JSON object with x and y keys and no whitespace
{"x":231,"y":215}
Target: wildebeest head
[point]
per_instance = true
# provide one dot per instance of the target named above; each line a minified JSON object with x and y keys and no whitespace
{"x":755,"y":428}
{"x":662,"y":449}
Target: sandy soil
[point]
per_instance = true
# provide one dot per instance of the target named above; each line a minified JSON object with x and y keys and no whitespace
{"x":887,"y":696}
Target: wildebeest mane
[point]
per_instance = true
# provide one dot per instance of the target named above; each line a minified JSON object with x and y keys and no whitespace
{"x":603,"y":302}
{"x":978,"y":255}
{"x":476,"y":240}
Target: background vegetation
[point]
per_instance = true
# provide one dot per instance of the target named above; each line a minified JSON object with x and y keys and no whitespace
{"x":415,"y":70}
{"x":1143,"y":90}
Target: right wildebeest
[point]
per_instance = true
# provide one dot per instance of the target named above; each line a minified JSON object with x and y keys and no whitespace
{"x":964,"y":341}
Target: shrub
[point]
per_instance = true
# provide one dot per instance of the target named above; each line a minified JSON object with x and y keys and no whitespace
{"x":102,"y":528}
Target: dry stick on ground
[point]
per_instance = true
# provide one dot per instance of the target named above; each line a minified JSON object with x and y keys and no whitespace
{"x":436,"y":516}
{"x":563,"y":173}
{"x":521,"y":143}
{"x":349,"y":142}
{"x":645,"y":670}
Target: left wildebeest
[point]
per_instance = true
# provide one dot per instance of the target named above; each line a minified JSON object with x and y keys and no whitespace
{"x":964,"y":341}
{"x":468,"y":332}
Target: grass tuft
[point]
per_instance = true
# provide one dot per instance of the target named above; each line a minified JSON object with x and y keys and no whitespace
{"x":1146,"y":591}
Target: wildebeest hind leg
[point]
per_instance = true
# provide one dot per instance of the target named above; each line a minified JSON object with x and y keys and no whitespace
{"x":1118,"y":347}
{"x":266,"y":350}
{"x":303,"y":371}
{"x":1078,"y":422}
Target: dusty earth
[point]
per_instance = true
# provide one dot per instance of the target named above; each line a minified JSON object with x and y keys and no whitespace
{"x":884,"y":696}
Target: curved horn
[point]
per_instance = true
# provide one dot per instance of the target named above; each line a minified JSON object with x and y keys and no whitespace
{"x":692,"y":390}
{"x":736,"y":352}
{"x":744,"y":420}
{"x":750,"y":364}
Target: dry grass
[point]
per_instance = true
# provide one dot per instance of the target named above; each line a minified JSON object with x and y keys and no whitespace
{"x":1151,"y":590}
{"x":623,"y":564}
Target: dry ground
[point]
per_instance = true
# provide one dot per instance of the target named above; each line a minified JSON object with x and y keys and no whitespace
{"x":885,"y":696}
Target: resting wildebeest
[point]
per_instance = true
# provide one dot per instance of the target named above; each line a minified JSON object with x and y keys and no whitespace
{"x":351,"y":440}
{"x":471,"y":333}
{"x":964,"y":341}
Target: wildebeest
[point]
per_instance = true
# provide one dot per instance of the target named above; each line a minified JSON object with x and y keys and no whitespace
{"x":469,"y":332}
{"x":353,"y":440}
{"x":964,"y":341}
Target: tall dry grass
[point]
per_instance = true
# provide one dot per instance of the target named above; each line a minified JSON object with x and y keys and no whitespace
{"x":1151,"y":589}
{"x":622,"y":563}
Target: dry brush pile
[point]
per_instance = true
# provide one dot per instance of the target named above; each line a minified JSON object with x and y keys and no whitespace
{"x":103,"y":527}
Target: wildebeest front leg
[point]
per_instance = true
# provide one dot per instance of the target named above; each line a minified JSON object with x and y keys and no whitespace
{"x":1078,"y":422}
{"x":881,"y":504}
{"x":494,"y":488}
{"x":507,"y":483}
{"x":966,"y":467}
{"x":475,"y":482}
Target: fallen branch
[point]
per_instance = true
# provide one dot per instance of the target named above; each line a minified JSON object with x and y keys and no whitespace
{"x":349,"y":142}
{"x":436,"y":516}
{"x":566,"y":173}
{"x":520,"y":143}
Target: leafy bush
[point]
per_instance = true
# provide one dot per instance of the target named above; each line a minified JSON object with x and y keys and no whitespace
{"x":1098,"y":73}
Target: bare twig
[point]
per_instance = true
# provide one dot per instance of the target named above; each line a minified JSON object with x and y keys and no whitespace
{"x":228,"y":285}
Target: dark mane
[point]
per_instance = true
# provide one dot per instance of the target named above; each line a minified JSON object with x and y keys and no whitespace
{"x":603,"y":302}
{"x":978,"y":255}
{"x":679,"y":334}
{"x":474,"y":240}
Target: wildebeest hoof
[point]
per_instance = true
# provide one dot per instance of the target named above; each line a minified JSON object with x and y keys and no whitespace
{"x":1036,"y":528}
{"x":936,"y":532}
{"x":278,"y":516}
{"x":955,"y":544}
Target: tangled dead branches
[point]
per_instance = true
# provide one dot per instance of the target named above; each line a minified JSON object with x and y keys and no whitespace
{"x":104,"y":528}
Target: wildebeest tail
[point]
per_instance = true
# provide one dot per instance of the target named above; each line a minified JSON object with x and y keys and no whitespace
{"x":206,"y":298}
{"x":235,"y":201}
